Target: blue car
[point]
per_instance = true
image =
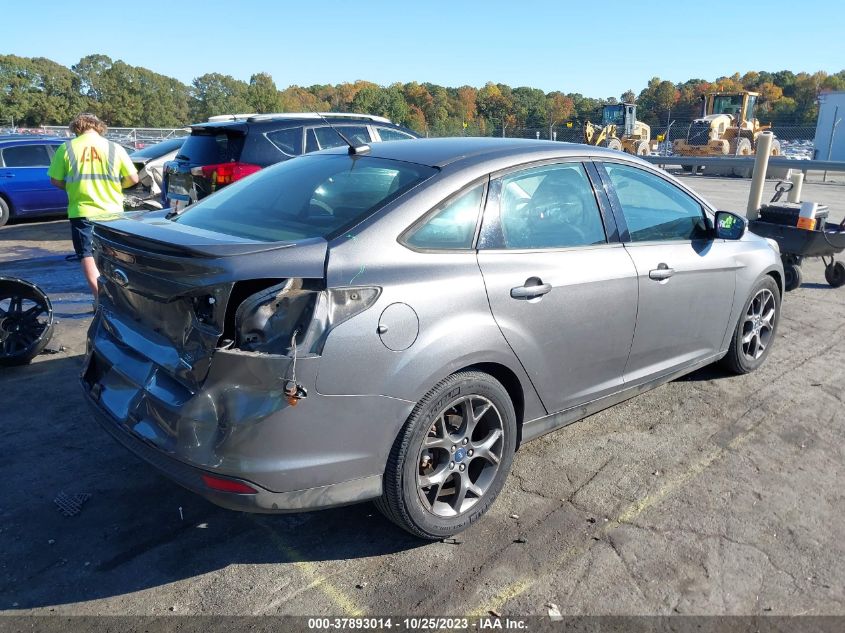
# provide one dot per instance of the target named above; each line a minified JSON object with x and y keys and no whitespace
{"x":25,"y":189}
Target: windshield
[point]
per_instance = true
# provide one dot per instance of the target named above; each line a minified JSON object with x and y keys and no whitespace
{"x":613,"y":114}
{"x":727,"y":104}
{"x":311,"y":196}
{"x":159,"y":149}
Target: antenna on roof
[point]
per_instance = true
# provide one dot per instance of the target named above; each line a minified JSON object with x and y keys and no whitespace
{"x":354,"y":150}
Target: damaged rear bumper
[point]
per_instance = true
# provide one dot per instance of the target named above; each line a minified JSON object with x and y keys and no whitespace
{"x":263,"y":500}
{"x":326,"y":451}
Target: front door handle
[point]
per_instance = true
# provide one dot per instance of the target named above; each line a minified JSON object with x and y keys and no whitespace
{"x":661,"y":272}
{"x":6,"y":174}
{"x":530,"y":292}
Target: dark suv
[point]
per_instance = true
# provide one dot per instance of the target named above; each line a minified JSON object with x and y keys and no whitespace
{"x":228,"y":148}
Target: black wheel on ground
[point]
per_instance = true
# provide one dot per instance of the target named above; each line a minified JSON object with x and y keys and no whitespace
{"x":686,"y":168}
{"x":4,"y":212}
{"x":26,"y":321}
{"x":834,"y":274}
{"x":450,"y":460}
{"x":755,"y":331}
{"x":792,"y":277}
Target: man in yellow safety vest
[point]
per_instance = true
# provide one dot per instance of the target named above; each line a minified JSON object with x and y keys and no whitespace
{"x":93,"y":171}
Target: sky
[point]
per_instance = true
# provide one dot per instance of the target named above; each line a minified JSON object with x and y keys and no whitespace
{"x":599,"y":49}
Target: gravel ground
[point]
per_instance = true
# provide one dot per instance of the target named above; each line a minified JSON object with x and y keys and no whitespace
{"x":712,"y":494}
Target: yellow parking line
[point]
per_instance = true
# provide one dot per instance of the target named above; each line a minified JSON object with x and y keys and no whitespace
{"x":628,"y":515}
{"x":313,"y":576}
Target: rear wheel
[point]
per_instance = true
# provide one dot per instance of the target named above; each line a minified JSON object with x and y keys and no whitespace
{"x":775,"y":151}
{"x":835,"y":274}
{"x":4,"y":212}
{"x":642,"y":148}
{"x":450,"y":460}
{"x":755,"y":332}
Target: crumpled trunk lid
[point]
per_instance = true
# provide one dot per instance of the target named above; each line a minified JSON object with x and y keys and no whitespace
{"x":167,"y":287}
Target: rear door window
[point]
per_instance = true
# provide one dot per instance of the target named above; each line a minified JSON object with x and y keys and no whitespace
{"x":550,"y":207}
{"x":212,"y":149}
{"x":26,"y":156}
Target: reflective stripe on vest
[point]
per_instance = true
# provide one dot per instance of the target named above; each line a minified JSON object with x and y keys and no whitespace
{"x":74,"y":174}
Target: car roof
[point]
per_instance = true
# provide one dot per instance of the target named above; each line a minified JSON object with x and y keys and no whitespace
{"x":439,"y":152}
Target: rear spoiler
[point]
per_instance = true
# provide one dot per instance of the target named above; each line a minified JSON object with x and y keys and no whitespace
{"x":219,"y":126}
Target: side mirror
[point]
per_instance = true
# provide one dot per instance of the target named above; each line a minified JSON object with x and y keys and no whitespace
{"x":729,"y":226}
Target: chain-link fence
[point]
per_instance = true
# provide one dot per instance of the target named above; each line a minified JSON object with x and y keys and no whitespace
{"x":796,"y":140}
{"x":130,"y":137}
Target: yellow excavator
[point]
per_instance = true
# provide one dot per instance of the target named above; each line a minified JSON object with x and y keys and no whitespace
{"x":727,"y":127}
{"x":620,"y":130}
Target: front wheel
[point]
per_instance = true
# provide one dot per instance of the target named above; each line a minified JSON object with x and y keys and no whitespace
{"x":450,"y":460}
{"x":755,"y":332}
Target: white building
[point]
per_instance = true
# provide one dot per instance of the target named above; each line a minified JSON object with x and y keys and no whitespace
{"x":830,"y":128}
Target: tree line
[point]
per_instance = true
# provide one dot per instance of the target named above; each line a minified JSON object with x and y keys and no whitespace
{"x":37,"y":91}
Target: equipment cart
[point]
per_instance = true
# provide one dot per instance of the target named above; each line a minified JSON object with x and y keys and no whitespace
{"x":778,"y":221}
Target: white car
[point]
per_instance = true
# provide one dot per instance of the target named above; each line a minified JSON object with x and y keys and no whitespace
{"x":150,"y":163}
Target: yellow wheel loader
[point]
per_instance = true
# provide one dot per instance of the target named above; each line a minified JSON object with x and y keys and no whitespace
{"x":727,"y":127}
{"x":620,"y":130}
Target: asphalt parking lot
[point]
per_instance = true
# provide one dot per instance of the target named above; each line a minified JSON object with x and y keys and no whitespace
{"x":712,"y":494}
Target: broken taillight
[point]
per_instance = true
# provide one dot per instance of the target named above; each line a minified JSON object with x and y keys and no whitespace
{"x":266,"y":321}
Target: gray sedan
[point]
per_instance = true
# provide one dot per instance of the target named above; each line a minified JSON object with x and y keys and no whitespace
{"x":391,"y":323}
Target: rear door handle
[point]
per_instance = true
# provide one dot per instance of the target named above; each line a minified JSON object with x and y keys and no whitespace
{"x":661,"y":272}
{"x":529,"y":292}
{"x":6,"y":174}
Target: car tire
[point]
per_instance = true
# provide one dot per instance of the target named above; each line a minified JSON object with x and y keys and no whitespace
{"x":437,"y":455}
{"x":5,"y":214}
{"x":793,"y":277}
{"x":756,"y":329}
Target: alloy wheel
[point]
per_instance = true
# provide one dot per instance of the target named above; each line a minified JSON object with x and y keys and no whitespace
{"x":759,"y":324}
{"x":460,"y":456}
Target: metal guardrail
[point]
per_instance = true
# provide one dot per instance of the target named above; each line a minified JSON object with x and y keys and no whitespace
{"x":747,"y":162}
